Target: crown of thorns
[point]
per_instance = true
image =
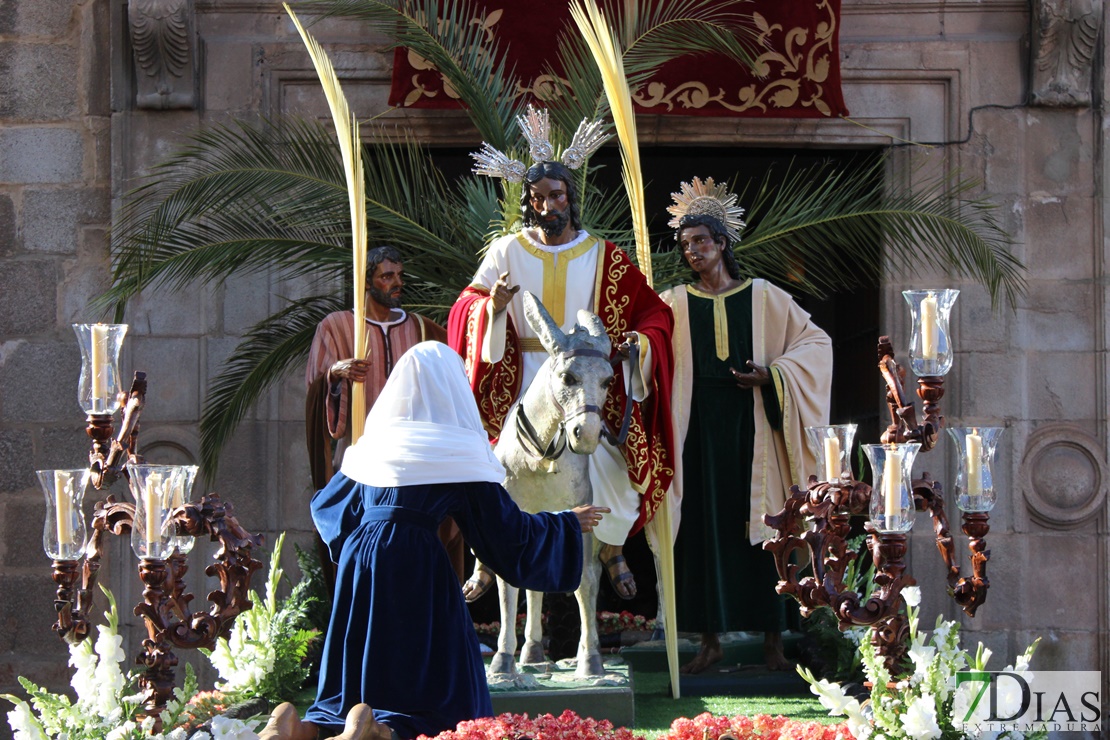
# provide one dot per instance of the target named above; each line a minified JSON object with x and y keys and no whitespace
{"x":706,"y":198}
{"x":536,"y":126}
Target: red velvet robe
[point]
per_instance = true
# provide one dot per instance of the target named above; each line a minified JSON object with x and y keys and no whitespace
{"x":625,"y":302}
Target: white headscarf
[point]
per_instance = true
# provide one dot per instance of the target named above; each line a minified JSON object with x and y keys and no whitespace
{"x":424,"y":428}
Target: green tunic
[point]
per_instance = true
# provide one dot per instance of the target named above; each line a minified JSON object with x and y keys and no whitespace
{"x":723,"y":582}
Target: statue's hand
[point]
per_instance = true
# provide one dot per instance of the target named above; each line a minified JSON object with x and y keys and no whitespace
{"x":589,"y":516}
{"x":758,"y":376}
{"x":624,"y":349}
{"x":353,"y":370}
{"x":501,"y":293}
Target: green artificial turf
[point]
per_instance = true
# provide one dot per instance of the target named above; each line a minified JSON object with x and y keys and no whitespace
{"x":655,"y":709}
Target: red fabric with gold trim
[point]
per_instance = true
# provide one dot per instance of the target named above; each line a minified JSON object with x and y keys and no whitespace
{"x":625,"y":302}
{"x":495,"y":386}
{"x":798,"y":68}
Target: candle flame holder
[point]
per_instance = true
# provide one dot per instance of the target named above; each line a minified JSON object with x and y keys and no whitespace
{"x":165,"y":606}
{"x":816,"y":520}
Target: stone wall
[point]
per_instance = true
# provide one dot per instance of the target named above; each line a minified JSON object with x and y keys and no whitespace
{"x":956,"y":75}
{"x":55,"y":181}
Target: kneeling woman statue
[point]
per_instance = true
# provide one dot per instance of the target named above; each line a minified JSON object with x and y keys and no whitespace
{"x":400,"y":638}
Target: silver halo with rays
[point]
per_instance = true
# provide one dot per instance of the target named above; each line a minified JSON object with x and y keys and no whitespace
{"x":698,"y":198}
{"x":536,"y":126}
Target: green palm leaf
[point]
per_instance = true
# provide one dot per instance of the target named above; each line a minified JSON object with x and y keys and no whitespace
{"x":825,"y":229}
{"x":269,"y":350}
{"x":442,"y":32}
{"x":650,"y":37}
{"x":251,"y":198}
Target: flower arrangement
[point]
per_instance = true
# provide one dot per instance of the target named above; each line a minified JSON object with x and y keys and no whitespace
{"x":107,"y":707}
{"x":567,"y":726}
{"x":263,"y":658}
{"x":925,"y":705}
{"x":758,"y":727}
{"x":613,"y":622}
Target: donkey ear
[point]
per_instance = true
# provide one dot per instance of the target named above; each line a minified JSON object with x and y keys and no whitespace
{"x":551,"y":337}
{"x":592,"y":323}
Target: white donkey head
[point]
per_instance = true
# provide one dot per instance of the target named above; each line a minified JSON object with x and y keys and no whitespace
{"x":578,"y":372}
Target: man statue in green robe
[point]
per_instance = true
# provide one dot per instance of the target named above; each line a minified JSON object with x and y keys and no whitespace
{"x":752,"y":371}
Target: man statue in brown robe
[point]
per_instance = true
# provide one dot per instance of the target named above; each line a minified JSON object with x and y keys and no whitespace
{"x":333,"y":373}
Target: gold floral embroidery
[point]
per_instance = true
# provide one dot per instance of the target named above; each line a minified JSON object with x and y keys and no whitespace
{"x":797,"y":63}
{"x":793,"y":72}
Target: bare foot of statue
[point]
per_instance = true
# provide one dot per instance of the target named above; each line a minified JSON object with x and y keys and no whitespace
{"x":285,"y":724}
{"x":709,"y":654}
{"x":616,"y":567}
{"x":478,"y":583}
{"x":360,"y":725}
{"x":772,"y":652}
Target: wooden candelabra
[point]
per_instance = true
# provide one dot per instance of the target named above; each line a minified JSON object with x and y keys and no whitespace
{"x":165,"y":607}
{"x":817,"y":519}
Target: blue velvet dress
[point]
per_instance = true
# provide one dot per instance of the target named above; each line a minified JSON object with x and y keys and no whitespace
{"x":401,"y":638}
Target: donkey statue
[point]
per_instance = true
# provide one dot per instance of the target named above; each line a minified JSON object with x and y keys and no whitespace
{"x":560,"y":410}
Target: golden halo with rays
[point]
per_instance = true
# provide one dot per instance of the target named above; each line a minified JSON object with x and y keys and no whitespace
{"x":707,"y":198}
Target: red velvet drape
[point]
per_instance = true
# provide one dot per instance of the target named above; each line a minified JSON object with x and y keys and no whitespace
{"x":798,"y":71}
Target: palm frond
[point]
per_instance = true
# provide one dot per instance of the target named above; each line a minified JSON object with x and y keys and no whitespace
{"x":256,"y":197}
{"x":608,"y":56}
{"x":350,"y":146}
{"x":268,"y":351}
{"x":825,"y":229}
{"x":442,"y":32}
{"x":655,"y":33}
{"x":649,"y":38}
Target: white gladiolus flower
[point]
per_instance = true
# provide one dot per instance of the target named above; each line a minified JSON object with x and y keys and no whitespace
{"x":920,"y":719}
{"x":912,"y":595}
{"x":922,"y":656}
{"x":83,"y":660}
{"x":23,"y":723}
{"x":224,"y":728}
{"x":832,"y":697}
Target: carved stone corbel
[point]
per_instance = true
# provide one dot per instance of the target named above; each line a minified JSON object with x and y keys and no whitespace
{"x":164,"y":49}
{"x":1065,"y":37}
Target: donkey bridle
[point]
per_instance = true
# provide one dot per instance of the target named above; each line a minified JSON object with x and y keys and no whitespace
{"x":526,"y":433}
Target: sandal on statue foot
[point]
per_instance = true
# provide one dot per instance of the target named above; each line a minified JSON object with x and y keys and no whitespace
{"x":624,"y":583}
{"x":477,"y":585}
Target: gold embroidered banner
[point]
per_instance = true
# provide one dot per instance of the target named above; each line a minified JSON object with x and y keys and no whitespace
{"x":797,"y":75}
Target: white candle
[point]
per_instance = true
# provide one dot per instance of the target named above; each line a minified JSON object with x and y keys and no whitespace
{"x":99,"y":360}
{"x":832,"y":459}
{"x":153,"y":513}
{"x":974,"y":465}
{"x":62,"y":508}
{"x":892,"y":488}
{"x":929,"y":327}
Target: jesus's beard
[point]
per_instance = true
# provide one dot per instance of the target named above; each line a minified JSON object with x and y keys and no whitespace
{"x":555,"y":226}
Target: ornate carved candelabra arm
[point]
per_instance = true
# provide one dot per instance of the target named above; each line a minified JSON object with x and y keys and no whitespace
{"x":904,"y":426}
{"x":903,"y":415}
{"x":234,"y":566}
{"x":890,"y":630}
{"x":928,"y":496}
{"x":73,"y":604}
{"x":108,"y":466}
{"x":968,"y":592}
{"x":157,"y":680}
{"x":788,"y":524}
{"x":828,"y":506}
{"x":72,"y":624}
{"x":971,"y":592}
